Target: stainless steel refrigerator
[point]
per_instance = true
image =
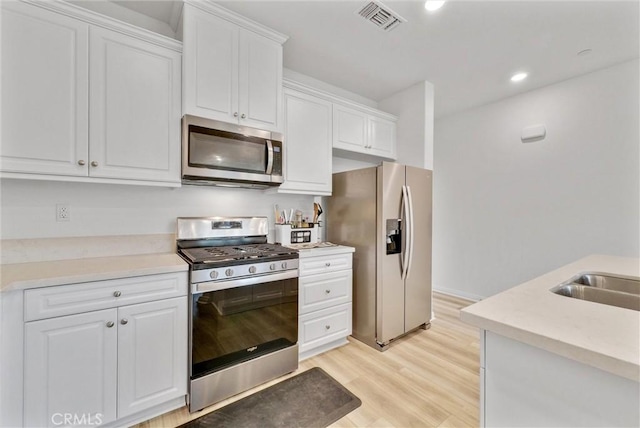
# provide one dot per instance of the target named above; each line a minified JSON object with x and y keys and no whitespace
{"x":385,"y":213}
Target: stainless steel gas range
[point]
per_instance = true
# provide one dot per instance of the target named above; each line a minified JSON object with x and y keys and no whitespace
{"x":244,"y":306}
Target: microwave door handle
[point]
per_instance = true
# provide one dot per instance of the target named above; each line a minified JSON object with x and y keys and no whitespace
{"x":269,"y":157}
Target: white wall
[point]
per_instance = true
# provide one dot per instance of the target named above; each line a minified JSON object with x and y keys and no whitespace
{"x":505,"y":211}
{"x":28,"y":207}
{"x":414,"y":108}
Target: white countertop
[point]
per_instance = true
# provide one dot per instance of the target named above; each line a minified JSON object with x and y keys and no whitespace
{"x":21,"y":276}
{"x":602,"y":336}
{"x":321,"y":251}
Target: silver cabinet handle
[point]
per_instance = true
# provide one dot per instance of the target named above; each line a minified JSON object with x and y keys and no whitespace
{"x":110,"y":324}
{"x":243,"y":116}
{"x":327,"y":291}
{"x":327,"y":327}
{"x":81,"y":162}
{"x":123,"y":321}
{"x":235,"y":114}
{"x":94,"y":163}
{"x":117,"y":294}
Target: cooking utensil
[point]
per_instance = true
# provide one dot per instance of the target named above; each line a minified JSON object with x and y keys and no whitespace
{"x":317,"y":210}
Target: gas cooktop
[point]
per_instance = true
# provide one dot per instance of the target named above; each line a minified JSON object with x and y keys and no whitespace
{"x":236,"y":253}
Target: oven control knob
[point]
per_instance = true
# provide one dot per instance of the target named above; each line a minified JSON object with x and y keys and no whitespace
{"x":228,"y":272}
{"x":284,"y":265}
{"x":213,"y":274}
{"x":272,"y":266}
{"x":252,"y":269}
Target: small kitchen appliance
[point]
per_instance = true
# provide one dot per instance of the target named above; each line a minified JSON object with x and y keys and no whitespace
{"x":244,"y":306}
{"x":224,"y":154}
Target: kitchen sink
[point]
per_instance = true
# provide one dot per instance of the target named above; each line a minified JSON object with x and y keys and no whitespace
{"x":607,"y":289}
{"x":608,"y":282}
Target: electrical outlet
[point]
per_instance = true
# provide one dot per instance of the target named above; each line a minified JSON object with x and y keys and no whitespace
{"x":63,"y":213}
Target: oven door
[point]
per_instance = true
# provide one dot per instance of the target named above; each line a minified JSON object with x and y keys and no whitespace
{"x":236,"y":321}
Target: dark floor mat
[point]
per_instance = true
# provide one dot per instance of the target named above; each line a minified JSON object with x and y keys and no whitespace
{"x":310,"y":399}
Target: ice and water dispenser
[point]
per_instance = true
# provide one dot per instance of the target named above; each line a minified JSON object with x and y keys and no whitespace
{"x":394,"y":236}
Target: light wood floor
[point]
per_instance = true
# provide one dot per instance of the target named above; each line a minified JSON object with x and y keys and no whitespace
{"x":429,"y":378}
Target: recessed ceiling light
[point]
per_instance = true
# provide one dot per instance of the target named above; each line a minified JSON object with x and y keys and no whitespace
{"x":432,"y":5}
{"x":518,"y":77}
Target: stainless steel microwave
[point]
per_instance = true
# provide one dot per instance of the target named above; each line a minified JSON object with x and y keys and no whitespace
{"x":224,"y":154}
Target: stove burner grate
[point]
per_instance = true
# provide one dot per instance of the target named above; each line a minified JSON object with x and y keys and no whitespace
{"x":219,"y":255}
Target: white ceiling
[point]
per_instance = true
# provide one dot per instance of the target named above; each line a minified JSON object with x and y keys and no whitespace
{"x":467,"y":49}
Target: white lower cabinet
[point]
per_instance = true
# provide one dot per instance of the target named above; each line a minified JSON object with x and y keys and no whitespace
{"x":325,"y":300}
{"x":71,"y":368}
{"x":152,"y":354}
{"x":522,"y":385}
{"x":102,"y":366}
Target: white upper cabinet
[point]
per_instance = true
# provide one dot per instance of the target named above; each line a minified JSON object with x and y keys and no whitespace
{"x":232,"y":67}
{"x":45,"y":75}
{"x":382,"y":137}
{"x":307,"y":145}
{"x":260,"y":81}
{"x":319,"y":125}
{"x":86,"y":98}
{"x":350,"y":128}
{"x":210,"y":50}
{"x":365,"y":132}
{"x":134,"y":108}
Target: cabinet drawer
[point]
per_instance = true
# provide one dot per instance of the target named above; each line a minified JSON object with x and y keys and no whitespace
{"x":323,"y":264}
{"x":324,"y":326}
{"x":50,"y":302}
{"x":324,"y":290}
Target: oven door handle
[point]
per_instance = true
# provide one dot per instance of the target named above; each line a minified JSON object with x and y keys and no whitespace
{"x":203,"y":287}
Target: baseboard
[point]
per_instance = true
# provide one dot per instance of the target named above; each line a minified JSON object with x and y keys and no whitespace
{"x":458,"y":293}
{"x":148,"y":414}
{"x":323,"y":348}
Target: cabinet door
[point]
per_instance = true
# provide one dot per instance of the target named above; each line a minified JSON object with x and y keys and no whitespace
{"x":210,"y":52}
{"x":44,"y":91}
{"x":152,"y":354}
{"x":134,"y":109}
{"x":70,"y":368}
{"x":307,"y":146}
{"x":349,"y":129}
{"x":260,"y":87}
{"x":382,"y":137}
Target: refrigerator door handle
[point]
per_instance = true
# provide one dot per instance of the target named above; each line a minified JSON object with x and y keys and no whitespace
{"x":410,"y":243}
{"x":405,"y":213}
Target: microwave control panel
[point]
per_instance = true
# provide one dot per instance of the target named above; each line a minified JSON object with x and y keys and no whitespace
{"x":277,"y":159}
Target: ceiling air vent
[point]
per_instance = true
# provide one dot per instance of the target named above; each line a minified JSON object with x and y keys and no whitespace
{"x":381,"y":16}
